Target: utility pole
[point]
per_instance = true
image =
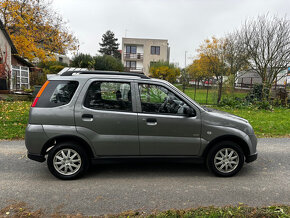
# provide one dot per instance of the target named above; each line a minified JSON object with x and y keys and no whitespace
{"x":185,"y":59}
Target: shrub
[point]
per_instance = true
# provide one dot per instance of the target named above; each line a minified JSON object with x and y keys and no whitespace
{"x":83,"y":61}
{"x":234,"y":102}
{"x":107,"y":62}
{"x":164,"y":70}
{"x":256,"y":94}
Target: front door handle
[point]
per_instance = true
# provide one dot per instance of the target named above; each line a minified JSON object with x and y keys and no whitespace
{"x":87,"y":117}
{"x":151,"y":121}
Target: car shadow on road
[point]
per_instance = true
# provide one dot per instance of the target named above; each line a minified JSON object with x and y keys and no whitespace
{"x":149,"y":168}
{"x":156,"y":169}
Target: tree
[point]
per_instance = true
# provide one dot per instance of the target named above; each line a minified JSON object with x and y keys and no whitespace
{"x":267,"y":43}
{"x":236,"y":56}
{"x":212,"y":57}
{"x":35,"y":29}
{"x":184,"y":79}
{"x":51,"y":67}
{"x":83,"y":61}
{"x":107,"y":62}
{"x":164,"y":70}
{"x":200,"y":70}
{"x":109,"y":45}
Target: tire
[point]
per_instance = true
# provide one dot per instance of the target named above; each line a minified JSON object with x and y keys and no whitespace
{"x":67,"y":167}
{"x":218,"y":164}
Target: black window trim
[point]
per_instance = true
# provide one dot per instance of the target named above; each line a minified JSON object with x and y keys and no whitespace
{"x":155,"y":49}
{"x":131,"y":49}
{"x":106,"y":80}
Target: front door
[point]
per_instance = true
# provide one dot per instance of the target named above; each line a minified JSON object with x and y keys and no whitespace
{"x":104,"y":114}
{"x":164,"y":129}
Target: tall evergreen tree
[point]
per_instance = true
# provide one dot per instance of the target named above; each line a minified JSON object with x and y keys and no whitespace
{"x":109,"y":45}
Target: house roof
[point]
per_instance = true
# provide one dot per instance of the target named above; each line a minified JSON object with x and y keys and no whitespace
{"x":22,"y":60}
{"x":13,"y":49}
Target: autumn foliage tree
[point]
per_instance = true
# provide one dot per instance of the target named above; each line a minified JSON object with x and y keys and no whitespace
{"x":164,"y":70}
{"x":212,"y":61}
{"x":35,"y":29}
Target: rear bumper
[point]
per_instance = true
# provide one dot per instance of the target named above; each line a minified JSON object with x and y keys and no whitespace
{"x":251,"y":158}
{"x":36,"y":157}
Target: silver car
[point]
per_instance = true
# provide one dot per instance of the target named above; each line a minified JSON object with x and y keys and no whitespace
{"x":81,"y":118}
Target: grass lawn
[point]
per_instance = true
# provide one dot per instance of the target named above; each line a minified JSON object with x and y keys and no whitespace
{"x":23,"y":210}
{"x":13,"y":119}
{"x":276,"y":123}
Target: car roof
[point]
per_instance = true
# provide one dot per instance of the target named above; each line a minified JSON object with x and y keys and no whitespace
{"x":85,"y":75}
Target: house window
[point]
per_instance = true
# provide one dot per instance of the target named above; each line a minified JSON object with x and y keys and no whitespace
{"x":60,"y":59}
{"x":131,"y":49}
{"x":20,"y":78}
{"x":131,"y":64}
{"x":155,"y":50}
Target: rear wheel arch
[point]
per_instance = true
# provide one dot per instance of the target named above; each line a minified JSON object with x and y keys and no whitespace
{"x":244,"y":146}
{"x":67,"y":138}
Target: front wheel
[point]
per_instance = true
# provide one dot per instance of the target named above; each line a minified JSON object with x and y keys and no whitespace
{"x":225,"y":159}
{"x":67,"y":161}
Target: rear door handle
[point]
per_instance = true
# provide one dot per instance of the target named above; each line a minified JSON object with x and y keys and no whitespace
{"x":151,"y":121}
{"x":87,"y":117}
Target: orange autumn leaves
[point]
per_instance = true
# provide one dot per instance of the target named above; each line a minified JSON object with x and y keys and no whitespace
{"x":210,"y":60}
{"x":35,"y":29}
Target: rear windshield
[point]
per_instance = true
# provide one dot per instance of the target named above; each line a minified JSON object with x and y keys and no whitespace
{"x":57,"y":93}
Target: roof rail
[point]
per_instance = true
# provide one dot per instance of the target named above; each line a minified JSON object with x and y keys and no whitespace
{"x":70,"y":73}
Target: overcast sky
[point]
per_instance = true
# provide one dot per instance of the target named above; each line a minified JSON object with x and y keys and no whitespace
{"x":185,"y":23}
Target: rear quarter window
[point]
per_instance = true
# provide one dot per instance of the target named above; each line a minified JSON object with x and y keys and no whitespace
{"x":57,"y":93}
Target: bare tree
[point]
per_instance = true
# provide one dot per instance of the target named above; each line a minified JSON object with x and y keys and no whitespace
{"x":236,"y":57}
{"x":267,"y":43}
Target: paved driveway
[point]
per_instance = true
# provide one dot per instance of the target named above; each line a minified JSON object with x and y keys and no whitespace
{"x":114,"y":188}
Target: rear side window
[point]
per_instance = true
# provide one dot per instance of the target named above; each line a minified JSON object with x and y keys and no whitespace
{"x":57,"y":93}
{"x":109,"y":96}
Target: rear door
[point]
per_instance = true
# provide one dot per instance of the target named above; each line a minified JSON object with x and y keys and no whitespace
{"x":164,"y":129}
{"x":106,"y":115}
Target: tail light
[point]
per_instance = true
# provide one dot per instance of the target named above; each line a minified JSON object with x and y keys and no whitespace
{"x":39,"y":93}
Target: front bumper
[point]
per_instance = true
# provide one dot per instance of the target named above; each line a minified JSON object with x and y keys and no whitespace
{"x":36,"y":157}
{"x":251,"y":158}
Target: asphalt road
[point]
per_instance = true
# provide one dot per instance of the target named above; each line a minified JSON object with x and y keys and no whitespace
{"x":114,"y":188}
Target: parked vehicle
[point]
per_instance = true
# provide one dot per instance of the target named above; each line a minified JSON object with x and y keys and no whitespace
{"x":80,"y":118}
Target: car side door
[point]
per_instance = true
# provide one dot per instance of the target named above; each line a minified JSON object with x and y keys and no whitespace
{"x":105,"y":113}
{"x":165,"y":126}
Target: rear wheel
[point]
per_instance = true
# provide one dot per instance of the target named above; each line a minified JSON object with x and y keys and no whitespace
{"x":225,"y":159}
{"x":67,"y":161}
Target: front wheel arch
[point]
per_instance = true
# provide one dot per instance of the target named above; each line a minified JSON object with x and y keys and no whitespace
{"x":231,"y":138}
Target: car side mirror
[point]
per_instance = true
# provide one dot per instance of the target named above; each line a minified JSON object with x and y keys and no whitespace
{"x":189,"y":112}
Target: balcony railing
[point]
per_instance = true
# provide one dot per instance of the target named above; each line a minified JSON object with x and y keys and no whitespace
{"x":137,"y":56}
{"x":134,"y":69}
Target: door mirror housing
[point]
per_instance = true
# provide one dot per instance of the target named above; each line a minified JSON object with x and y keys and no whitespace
{"x":189,"y":112}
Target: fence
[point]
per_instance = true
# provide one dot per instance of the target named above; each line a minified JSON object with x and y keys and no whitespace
{"x":208,"y":94}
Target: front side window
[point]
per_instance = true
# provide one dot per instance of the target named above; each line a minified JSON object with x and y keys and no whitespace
{"x":109,"y":96}
{"x":155,"y":50}
{"x":157,"y":99}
